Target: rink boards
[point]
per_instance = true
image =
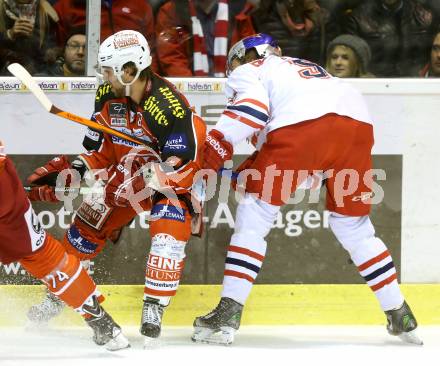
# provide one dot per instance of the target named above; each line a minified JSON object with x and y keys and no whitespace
{"x":267,"y":305}
{"x":302,"y":252}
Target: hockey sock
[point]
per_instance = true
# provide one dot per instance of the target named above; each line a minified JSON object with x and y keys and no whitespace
{"x":170,"y":230}
{"x":247,"y":249}
{"x":370,"y":255}
{"x":62,"y":273}
{"x":242,"y":265}
{"x":164,"y":268}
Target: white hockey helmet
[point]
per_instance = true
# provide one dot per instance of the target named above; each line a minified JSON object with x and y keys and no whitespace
{"x":123,"y":47}
{"x":262,"y":43}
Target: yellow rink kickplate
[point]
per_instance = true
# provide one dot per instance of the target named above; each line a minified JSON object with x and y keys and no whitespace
{"x":267,"y":305}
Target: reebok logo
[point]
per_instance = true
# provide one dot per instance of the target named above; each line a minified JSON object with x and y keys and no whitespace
{"x":217,"y":147}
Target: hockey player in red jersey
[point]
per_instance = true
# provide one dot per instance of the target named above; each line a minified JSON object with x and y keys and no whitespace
{"x":306,"y":121}
{"x":159,"y":178}
{"x":22,"y":239}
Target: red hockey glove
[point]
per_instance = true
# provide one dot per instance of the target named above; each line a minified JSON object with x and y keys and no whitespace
{"x":216,"y":150}
{"x":42,"y":193}
{"x":48,"y":173}
{"x":44,"y":179}
{"x":124,"y":183}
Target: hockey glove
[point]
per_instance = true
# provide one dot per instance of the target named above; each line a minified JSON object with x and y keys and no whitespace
{"x":48,"y":173}
{"x":42,"y":193}
{"x":216,"y":151}
{"x":44,"y":179}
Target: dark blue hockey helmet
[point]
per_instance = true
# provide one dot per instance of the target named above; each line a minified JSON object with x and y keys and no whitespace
{"x":263,"y":44}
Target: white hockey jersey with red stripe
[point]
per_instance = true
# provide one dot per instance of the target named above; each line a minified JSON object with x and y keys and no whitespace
{"x":274,"y":92}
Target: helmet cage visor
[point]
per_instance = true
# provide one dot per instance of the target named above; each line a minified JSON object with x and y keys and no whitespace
{"x":120,"y":49}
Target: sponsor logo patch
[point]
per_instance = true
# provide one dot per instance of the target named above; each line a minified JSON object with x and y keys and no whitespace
{"x":46,"y":85}
{"x":119,"y":141}
{"x":176,"y":143}
{"x":365,"y":197}
{"x":118,"y":122}
{"x":176,"y":107}
{"x":168,"y":212}
{"x":77,"y":241}
{"x":125,"y":40}
{"x":151,"y":106}
{"x":166,"y":264}
{"x":117,"y":110}
{"x":138,"y":132}
{"x":94,"y":135}
{"x":6,"y":86}
{"x":93,"y":211}
{"x":79,"y":85}
{"x":102,"y":90}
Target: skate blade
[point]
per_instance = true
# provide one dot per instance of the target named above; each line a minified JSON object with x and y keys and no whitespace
{"x":117,"y":343}
{"x":152,"y":343}
{"x":224,"y":336}
{"x":411,"y":337}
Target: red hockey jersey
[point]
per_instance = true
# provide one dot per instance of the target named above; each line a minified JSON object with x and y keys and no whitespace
{"x":20,"y":232}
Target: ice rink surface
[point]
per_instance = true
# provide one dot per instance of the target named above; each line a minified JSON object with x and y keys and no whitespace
{"x":254,"y":345}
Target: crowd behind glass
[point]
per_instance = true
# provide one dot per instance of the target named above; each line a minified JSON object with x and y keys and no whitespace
{"x":351,"y":38}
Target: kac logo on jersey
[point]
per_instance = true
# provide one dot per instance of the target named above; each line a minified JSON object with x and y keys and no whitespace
{"x":176,"y":143}
{"x":168,"y":212}
{"x":138,"y":132}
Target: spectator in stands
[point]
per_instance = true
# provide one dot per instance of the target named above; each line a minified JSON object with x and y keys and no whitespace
{"x":302,"y":28}
{"x":338,"y":8}
{"x":432,"y":69}
{"x":193,"y":36}
{"x":116,"y":15}
{"x":72,"y":60}
{"x":398,"y":32}
{"x":434,"y":5}
{"x":26,"y":33}
{"x":348,"y":56}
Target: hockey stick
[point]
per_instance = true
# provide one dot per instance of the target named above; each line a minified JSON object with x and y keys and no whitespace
{"x":23,"y":75}
{"x":87,"y":190}
{"x":81,"y":190}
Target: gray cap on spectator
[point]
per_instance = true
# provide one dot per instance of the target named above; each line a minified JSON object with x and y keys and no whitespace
{"x":357,"y":44}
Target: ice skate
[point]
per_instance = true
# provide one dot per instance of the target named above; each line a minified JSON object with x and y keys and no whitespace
{"x":106,"y":332}
{"x":218,"y":326}
{"x":402,"y":323}
{"x":50,"y":307}
{"x":151,"y":322}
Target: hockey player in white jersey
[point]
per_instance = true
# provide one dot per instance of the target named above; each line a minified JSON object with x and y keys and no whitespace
{"x":306,"y":120}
